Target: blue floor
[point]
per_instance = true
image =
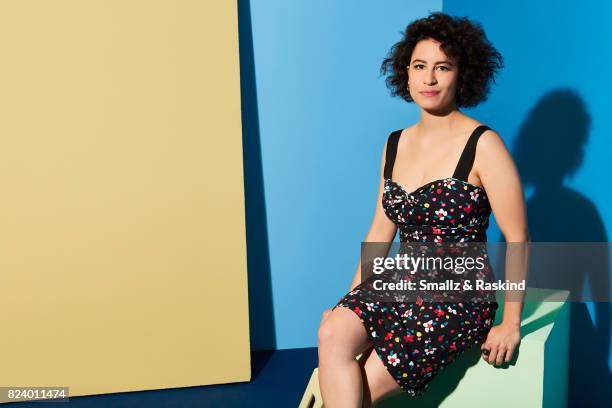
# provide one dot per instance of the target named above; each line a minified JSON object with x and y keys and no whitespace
{"x":278,"y":380}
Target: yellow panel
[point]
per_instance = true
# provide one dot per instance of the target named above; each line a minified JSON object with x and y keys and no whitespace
{"x":122,"y":232}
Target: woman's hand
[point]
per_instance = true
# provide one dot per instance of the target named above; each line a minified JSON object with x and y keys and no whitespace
{"x":501,"y":342}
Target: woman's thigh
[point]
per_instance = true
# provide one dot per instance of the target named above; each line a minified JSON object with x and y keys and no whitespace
{"x":377,"y":380}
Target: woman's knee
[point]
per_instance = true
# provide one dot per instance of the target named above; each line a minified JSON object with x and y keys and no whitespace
{"x":328,"y":331}
{"x":340,"y":335}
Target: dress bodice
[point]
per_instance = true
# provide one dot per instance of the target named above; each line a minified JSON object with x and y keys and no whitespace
{"x":443,"y":210}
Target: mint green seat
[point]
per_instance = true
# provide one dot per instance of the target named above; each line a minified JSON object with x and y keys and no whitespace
{"x":536,"y":377}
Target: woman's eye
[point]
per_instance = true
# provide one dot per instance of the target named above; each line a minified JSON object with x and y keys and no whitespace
{"x":419,"y":66}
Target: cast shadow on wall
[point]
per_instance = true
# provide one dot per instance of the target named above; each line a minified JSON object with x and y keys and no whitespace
{"x":550,"y":147}
{"x":261,"y":311}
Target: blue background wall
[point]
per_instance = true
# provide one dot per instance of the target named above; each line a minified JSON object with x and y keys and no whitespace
{"x":316,"y":115}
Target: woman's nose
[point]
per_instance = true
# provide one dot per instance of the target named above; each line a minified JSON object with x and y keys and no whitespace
{"x":431,"y":78}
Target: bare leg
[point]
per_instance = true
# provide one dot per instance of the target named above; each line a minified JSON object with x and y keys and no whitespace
{"x":341,"y":337}
{"x":378,"y":382}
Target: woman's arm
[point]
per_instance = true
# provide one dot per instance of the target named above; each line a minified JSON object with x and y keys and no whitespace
{"x":382,"y":228}
{"x":499,"y":176}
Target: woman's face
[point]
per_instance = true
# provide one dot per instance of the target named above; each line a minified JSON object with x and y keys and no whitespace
{"x":432,"y":76}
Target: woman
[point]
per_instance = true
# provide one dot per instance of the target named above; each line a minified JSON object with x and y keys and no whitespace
{"x":442,"y":63}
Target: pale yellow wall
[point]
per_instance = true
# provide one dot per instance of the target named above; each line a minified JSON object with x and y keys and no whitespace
{"x":122,"y":235}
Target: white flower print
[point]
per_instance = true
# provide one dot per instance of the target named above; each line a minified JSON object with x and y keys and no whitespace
{"x":430,"y":350}
{"x":428,"y":326}
{"x":374,"y":334}
{"x":398,"y":200}
{"x":370,"y":307}
{"x":392,"y":359}
{"x":449,"y":183}
{"x":441,"y":213}
{"x":474,"y":195}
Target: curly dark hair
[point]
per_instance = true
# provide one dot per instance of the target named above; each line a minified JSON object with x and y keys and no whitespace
{"x":461,"y":39}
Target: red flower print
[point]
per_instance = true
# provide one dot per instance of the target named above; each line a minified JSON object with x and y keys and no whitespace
{"x":388,"y":335}
{"x":358,"y":311}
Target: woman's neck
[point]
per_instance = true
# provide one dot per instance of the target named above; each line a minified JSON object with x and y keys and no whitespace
{"x":440,"y":123}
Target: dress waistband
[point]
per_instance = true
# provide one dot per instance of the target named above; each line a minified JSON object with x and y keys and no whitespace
{"x":430,"y":229}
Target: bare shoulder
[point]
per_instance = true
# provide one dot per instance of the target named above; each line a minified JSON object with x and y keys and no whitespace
{"x":406,"y":133}
{"x":493,"y":164}
{"x":490,"y":144}
{"x":403,"y":133}
{"x":410,"y":129}
{"x":492,"y":156}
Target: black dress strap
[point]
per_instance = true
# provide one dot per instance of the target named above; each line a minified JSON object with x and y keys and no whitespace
{"x":469,"y":153}
{"x":391,"y":152}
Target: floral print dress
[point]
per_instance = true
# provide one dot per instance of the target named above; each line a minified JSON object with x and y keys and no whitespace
{"x":415,"y":340}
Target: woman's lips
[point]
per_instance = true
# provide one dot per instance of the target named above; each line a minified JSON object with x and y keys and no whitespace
{"x":429,"y":93}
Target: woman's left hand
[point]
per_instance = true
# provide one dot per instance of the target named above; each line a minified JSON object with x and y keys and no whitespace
{"x":501,"y":342}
